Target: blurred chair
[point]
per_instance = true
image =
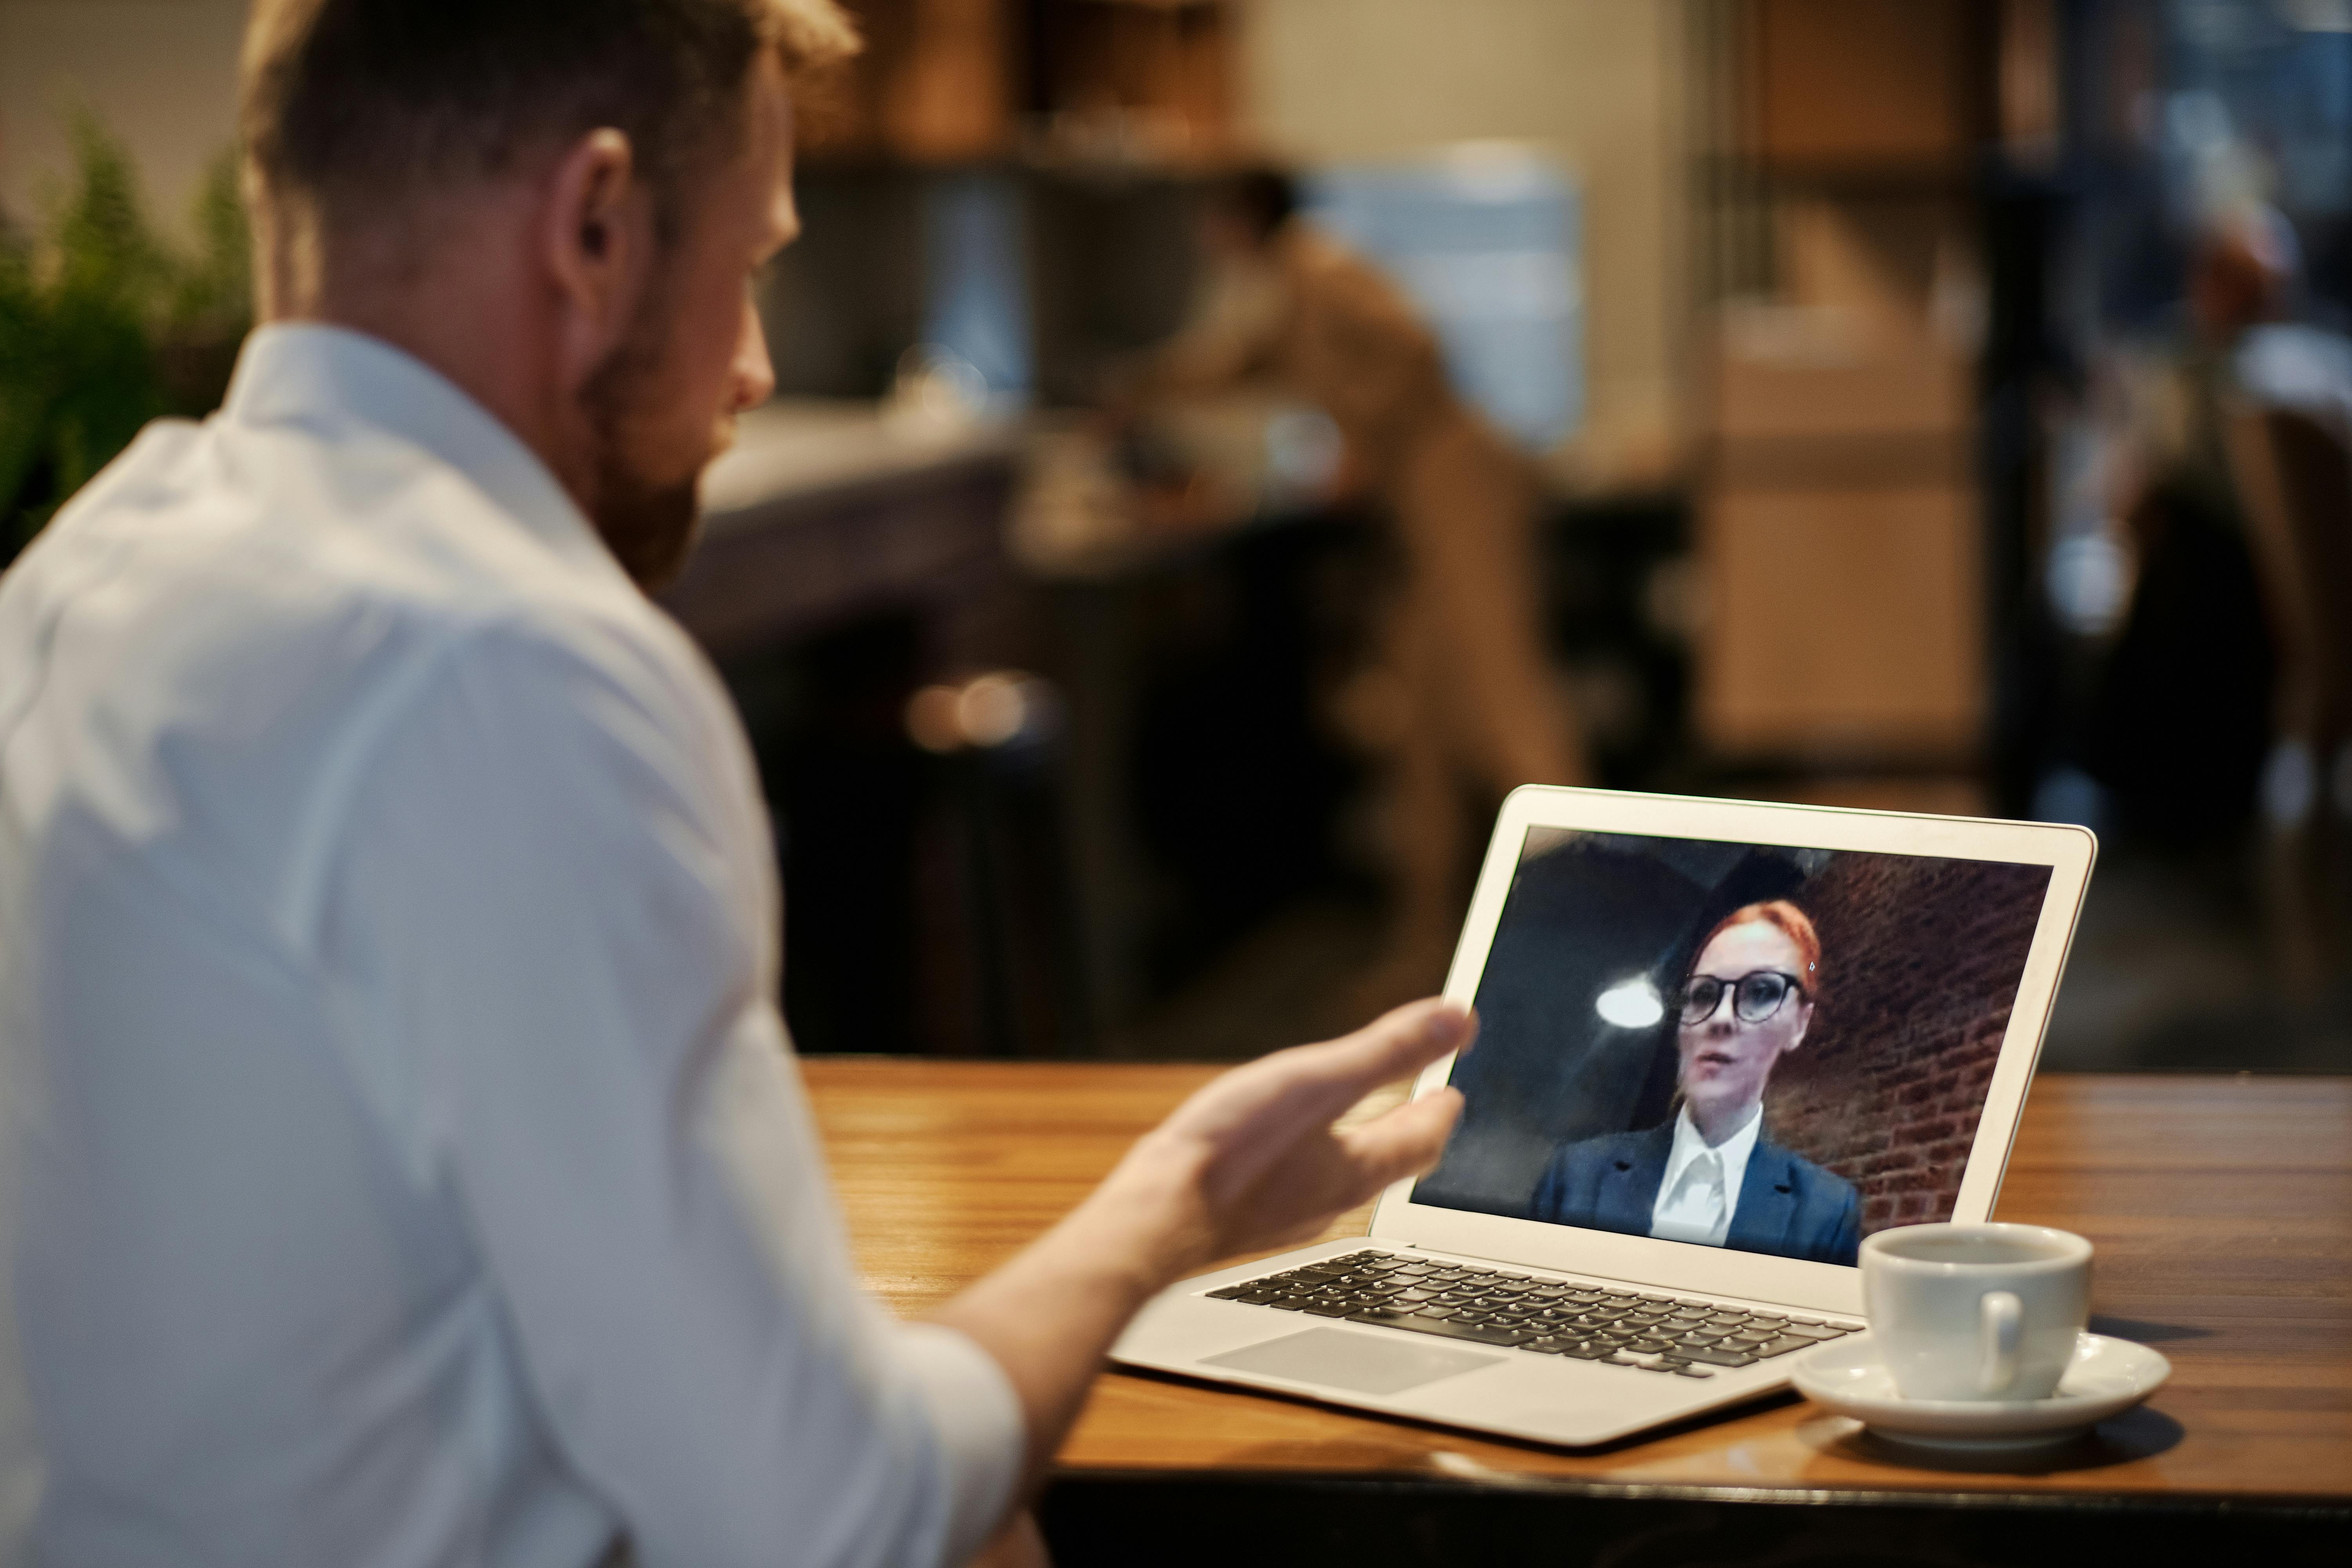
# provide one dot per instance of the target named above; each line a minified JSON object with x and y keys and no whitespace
{"x":2294,"y":477}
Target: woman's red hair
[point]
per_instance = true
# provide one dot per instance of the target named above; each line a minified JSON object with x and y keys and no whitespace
{"x":1791,"y":920}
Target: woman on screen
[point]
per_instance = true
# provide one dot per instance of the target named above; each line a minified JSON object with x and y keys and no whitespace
{"x":1709,"y":1174}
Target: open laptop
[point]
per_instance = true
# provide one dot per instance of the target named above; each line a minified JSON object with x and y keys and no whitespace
{"x":1719,"y":1043}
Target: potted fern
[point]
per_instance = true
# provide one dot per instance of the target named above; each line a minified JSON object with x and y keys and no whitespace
{"x":105,"y":325}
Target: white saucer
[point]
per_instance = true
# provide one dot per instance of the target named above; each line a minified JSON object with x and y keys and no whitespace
{"x":2105,"y":1377}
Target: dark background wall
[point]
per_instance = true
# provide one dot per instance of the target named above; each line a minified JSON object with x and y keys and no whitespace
{"x":1922,"y":957}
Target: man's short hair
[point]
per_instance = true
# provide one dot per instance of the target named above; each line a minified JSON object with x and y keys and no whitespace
{"x":350,"y":105}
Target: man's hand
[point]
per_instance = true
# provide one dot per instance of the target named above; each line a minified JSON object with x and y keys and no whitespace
{"x":1252,"y":1161}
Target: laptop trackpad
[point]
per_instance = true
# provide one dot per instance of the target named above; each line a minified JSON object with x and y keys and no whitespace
{"x":1360,"y":1362}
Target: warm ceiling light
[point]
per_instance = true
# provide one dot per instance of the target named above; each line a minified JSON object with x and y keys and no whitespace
{"x":1631,"y":1004}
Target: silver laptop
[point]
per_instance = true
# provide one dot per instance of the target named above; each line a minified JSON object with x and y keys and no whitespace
{"x":1720,"y":1043}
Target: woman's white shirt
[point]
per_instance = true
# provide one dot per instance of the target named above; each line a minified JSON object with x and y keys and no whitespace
{"x":1700,"y":1192}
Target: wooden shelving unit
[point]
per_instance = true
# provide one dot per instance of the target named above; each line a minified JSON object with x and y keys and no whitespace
{"x":1840,"y":534}
{"x":1132,"y":82}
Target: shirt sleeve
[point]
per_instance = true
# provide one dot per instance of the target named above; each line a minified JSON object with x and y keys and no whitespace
{"x":556,"y":916}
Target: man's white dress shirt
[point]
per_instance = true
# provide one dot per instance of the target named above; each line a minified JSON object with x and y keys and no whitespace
{"x":403,"y":1156}
{"x":1701,"y":1189}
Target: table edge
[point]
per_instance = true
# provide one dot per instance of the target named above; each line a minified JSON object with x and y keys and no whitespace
{"x":1891,"y":1494}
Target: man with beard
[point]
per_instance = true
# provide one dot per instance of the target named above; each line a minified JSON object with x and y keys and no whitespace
{"x":404,"y":1159}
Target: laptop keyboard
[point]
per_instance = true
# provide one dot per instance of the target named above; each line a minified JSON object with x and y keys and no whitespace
{"x":1683,"y":1335}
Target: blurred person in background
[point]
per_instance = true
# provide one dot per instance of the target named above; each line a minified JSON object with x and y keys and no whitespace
{"x":1460,"y":703}
{"x":404,"y":1159}
{"x":2200,"y":638}
{"x":2247,"y":298}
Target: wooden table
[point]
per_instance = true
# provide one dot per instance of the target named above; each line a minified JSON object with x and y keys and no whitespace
{"x":2221,"y":1209}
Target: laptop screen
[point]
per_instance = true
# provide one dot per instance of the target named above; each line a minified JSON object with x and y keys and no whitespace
{"x":1772,"y":1049}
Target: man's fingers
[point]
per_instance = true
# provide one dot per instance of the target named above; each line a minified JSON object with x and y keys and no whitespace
{"x":1253,"y":1119}
{"x":1331,"y":1077}
{"x":1399,"y":1042}
{"x":1406,"y":1141}
{"x":1281,"y":1096}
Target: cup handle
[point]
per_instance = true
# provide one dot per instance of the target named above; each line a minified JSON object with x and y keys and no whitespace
{"x":2000,"y":1317}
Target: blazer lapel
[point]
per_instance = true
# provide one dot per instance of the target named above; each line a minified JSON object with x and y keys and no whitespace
{"x":1768,"y":1201}
{"x":1629,"y":1188}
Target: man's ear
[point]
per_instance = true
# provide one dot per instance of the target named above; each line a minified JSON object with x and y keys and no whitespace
{"x":596,"y":242}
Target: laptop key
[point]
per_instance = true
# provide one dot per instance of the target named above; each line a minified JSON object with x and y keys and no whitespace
{"x":1783,"y":1346}
{"x":1448,"y":1327}
{"x":1492,"y":1306}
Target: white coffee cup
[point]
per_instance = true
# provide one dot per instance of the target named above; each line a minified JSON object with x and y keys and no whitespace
{"x":1976,"y":1312}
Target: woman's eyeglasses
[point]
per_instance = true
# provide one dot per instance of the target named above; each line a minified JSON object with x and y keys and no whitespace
{"x":1755,"y":996}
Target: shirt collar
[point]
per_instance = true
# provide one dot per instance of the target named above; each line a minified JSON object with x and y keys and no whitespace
{"x":1690,"y":1143}
{"x":325,"y":378}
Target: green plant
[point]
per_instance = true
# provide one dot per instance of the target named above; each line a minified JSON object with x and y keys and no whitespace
{"x":104,"y":326}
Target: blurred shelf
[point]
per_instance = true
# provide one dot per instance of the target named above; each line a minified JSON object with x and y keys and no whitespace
{"x":796,"y":451}
{"x":946,"y":81}
{"x":1856,"y":178}
{"x":823,"y":510}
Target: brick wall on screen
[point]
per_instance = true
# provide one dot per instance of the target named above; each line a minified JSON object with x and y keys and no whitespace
{"x":1922,"y":958}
